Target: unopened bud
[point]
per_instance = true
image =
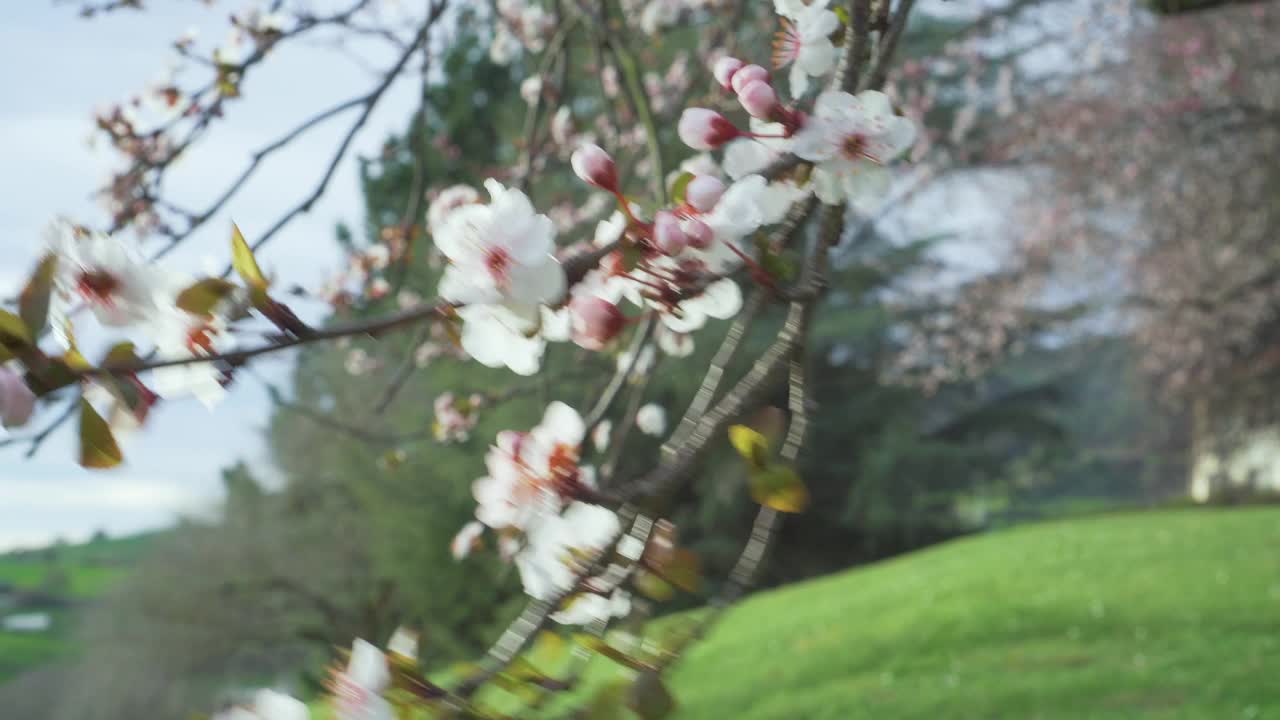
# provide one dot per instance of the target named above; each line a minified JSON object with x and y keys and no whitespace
{"x":595,"y":167}
{"x":17,"y":402}
{"x":703,"y":129}
{"x":594,"y":321}
{"x":759,"y":100}
{"x":746,"y":75}
{"x":667,"y":235}
{"x":698,"y":233}
{"x":724,"y":70}
{"x":703,"y":192}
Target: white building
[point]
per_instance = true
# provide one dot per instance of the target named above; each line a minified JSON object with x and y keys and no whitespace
{"x":1236,"y":430}
{"x":34,"y":622}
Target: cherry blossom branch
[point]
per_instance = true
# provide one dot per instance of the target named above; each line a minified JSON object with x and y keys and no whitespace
{"x":857,"y":45}
{"x":197,"y":219}
{"x":752,"y":388}
{"x":795,"y":220}
{"x":538,"y":612}
{"x":437,"y":10}
{"x":373,"y":327}
{"x":887,"y":46}
{"x":38,"y":439}
{"x":141,"y":165}
{"x":575,"y":268}
{"x":719,"y":363}
{"x":639,"y":99}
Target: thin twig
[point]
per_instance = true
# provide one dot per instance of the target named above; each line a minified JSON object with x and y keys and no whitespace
{"x":620,"y":434}
{"x":620,"y":377}
{"x":407,"y":365}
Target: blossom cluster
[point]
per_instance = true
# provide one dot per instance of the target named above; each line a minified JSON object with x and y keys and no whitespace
{"x":108,"y":278}
{"x":511,"y":283}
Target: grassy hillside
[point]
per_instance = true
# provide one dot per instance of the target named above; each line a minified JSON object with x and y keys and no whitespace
{"x":1158,"y":615}
{"x":88,"y":570}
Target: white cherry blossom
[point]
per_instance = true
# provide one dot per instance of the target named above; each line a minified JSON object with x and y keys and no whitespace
{"x":747,"y":205}
{"x":586,"y":608}
{"x":180,"y":335}
{"x":851,"y":139}
{"x":501,"y":252}
{"x":110,"y":277}
{"x":557,"y":544}
{"x":804,"y":42}
{"x":496,"y":336}
{"x":357,"y":691}
{"x":530,"y":474}
{"x":268,"y":705}
{"x":17,"y":402}
{"x":651,"y":419}
{"x":721,"y":299}
{"x":449,"y":199}
{"x":467,"y":539}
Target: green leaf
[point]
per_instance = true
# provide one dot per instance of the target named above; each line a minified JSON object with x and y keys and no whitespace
{"x":244,"y":262}
{"x":684,"y":570}
{"x":649,"y":698}
{"x":779,"y":487}
{"x":202,"y":297}
{"x":98,"y":447}
{"x":548,"y":648}
{"x":751,"y":445}
{"x":653,"y":587}
{"x":842,"y":12}
{"x":13,"y":331}
{"x":121,"y":354}
{"x":608,"y":702}
{"x":679,"y":187}
{"x":33,"y":303}
{"x":57,"y":372}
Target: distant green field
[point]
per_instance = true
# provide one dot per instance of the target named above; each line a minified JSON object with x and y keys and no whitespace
{"x":1156,"y":615}
{"x":90,"y":570}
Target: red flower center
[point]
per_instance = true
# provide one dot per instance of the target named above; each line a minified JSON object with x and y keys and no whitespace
{"x":857,"y":147}
{"x":498,"y":261}
{"x":97,"y":286}
{"x":200,"y":339}
{"x":563,"y":465}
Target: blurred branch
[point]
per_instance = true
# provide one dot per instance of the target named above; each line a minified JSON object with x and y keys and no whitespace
{"x":39,"y":438}
{"x":887,"y":45}
{"x":620,"y":377}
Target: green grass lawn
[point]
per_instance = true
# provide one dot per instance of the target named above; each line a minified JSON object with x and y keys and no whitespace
{"x":90,"y":569}
{"x":1155,"y":615}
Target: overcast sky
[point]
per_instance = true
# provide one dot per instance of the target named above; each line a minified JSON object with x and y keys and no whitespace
{"x":58,"y":68}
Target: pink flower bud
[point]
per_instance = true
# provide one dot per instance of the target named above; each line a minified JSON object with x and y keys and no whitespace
{"x":699,"y":233}
{"x":667,"y":235}
{"x":594,"y":321}
{"x":703,"y":129}
{"x":703,"y":192}
{"x":594,"y":166}
{"x":747,"y":75}
{"x":17,"y":402}
{"x":724,"y":69}
{"x":759,"y":100}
